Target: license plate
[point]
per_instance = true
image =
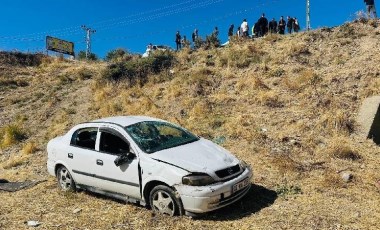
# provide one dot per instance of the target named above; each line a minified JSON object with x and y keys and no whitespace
{"x":240,"y":185}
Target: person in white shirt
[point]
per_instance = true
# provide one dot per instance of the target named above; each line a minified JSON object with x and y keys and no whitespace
{"x":244,"y":28}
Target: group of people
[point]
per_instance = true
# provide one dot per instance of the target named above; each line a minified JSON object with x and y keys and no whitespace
{"x":263,"y":26}
{"x":260,"y":28}
{"x":183,"y":42}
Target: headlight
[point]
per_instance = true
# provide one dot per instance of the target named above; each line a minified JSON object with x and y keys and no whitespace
{"x":243,"y":164}
{"x":197,"y":180}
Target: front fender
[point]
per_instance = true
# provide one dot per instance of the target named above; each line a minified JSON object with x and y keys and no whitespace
{"x":161,"y":172}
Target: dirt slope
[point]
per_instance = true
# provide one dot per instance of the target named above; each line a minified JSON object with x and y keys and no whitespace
{"x":285,"y":104}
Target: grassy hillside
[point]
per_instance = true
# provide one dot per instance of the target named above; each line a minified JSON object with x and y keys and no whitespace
{"x":285,"y":104}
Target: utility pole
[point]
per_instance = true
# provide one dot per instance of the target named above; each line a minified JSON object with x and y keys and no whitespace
{"x":89,"y":31}
{"x":308,"y":27}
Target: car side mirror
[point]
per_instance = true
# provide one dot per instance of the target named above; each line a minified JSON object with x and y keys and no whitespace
{"x":124,"y":158}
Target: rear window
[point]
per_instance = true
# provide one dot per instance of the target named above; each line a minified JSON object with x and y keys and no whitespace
{"x":84,"y":138}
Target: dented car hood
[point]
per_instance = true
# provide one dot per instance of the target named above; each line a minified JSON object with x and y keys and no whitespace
{"x":199,"y":156}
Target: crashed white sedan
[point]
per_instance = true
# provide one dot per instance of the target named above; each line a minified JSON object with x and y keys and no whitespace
{"x":148,"y":161}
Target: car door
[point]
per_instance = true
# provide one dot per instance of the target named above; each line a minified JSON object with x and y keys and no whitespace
{"x":123,"y":179}
{"x":81,"y":153}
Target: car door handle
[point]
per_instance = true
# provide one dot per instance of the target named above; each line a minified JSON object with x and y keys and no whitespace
{"x":70,"y":155}
{"x":99,"y":162}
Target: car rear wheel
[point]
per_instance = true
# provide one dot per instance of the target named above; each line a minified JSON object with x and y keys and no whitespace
{"x":65,"y":180}
{"x":163,"y":200}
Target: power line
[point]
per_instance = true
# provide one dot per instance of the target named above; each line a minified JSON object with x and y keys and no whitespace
{"x":147,"y":18}
{"x":116,"y":22}
{"x":160,"y":15}
{"x":187,"y":26}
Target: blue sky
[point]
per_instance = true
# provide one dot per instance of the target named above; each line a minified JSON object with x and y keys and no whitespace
{"x":132,"y":24}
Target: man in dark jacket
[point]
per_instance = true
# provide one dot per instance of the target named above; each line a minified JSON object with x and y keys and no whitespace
{"x":263,"y":25}
{"x":273,"y":26}
{"x":371,"y":8}
{"x":231,"y":30}
{"x":281,"y":25}
{"x":290,"y":24}
{"x":178,"y":40}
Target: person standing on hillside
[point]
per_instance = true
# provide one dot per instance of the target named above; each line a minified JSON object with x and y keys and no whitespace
{"x":290,"y":24}
{"x":244,"y":28}
{"x":296,"y":25}
{"x":263,"y":25}
{"x":194,"y":35}
{"x":185,"y":42}
{"x":281,"y":25}
{"x":371,"y":8}
{"x":273,"y":26}
{"x":231,"y":31}
{"x":178,"y":40}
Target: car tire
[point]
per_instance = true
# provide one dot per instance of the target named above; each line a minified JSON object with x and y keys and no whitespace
{"x":164,"y":200}
{"x":65,"y":180}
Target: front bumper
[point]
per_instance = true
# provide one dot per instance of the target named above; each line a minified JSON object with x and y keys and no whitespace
{"x":201,"y":199}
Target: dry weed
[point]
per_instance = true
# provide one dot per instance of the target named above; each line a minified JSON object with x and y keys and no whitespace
{"x":269,"y":98}
{"x":11,"y":134}
{"x":29,"y":148}
{"x":341,"y":148}
{"x":15,"y":161}
{"x":304,"y":78}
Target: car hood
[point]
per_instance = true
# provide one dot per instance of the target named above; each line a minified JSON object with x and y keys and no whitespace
{"x":199,"y":156}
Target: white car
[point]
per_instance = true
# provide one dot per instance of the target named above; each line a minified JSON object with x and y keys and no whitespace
{"x":148,"y":161}
{"x":152,"y":48}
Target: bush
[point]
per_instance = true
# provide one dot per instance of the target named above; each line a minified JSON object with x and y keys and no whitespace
{"x":119,"y":54}
{"x":11,"y":134}
{"x":199,"y":42}
{"x":91,"y":56}
{"x":212,"y":41}
{"x":136,"y":70}
{"x":21,"y":59}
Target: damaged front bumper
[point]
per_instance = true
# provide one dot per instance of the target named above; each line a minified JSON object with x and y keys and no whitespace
{"x":201,"y":199}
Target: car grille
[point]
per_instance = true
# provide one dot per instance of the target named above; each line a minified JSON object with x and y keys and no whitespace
{"x":228,"y":171}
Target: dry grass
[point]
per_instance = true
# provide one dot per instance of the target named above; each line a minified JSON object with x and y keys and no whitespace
{"x":284,"y":104}
{"x":29,"y":148}
{"x":11,"y":134}
{"x":341,"y":148}
{"x":15,"y":161}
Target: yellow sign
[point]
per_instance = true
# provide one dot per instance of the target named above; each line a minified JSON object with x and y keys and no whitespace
{"x":59,"y":45}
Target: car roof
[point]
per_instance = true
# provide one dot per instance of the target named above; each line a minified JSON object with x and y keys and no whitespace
{"x":126,"y":120}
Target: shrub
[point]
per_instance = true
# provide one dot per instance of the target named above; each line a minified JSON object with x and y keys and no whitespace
{"x":11,"y":134}
{"x":161,"y":60}
{"x":340,"y":148}
{"x":15,"y":162}
{"x":212,"y":41}
{"x":84,"y":74}
{"x":199,"y":42}
{"x":91,"y":56}
{"x":29,"y":148}
{"x":21,"y":59}
{"x":137,"y":69}
{"x":119,"y":54}
{"x":288,"y":190}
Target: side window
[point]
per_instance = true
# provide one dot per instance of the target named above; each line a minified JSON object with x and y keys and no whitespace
{"x":84,"y":138}
{"x":112,"y":144}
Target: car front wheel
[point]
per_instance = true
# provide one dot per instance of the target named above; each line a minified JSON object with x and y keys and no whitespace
{"x":65,"y":180}
{"x":163,"y":200}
